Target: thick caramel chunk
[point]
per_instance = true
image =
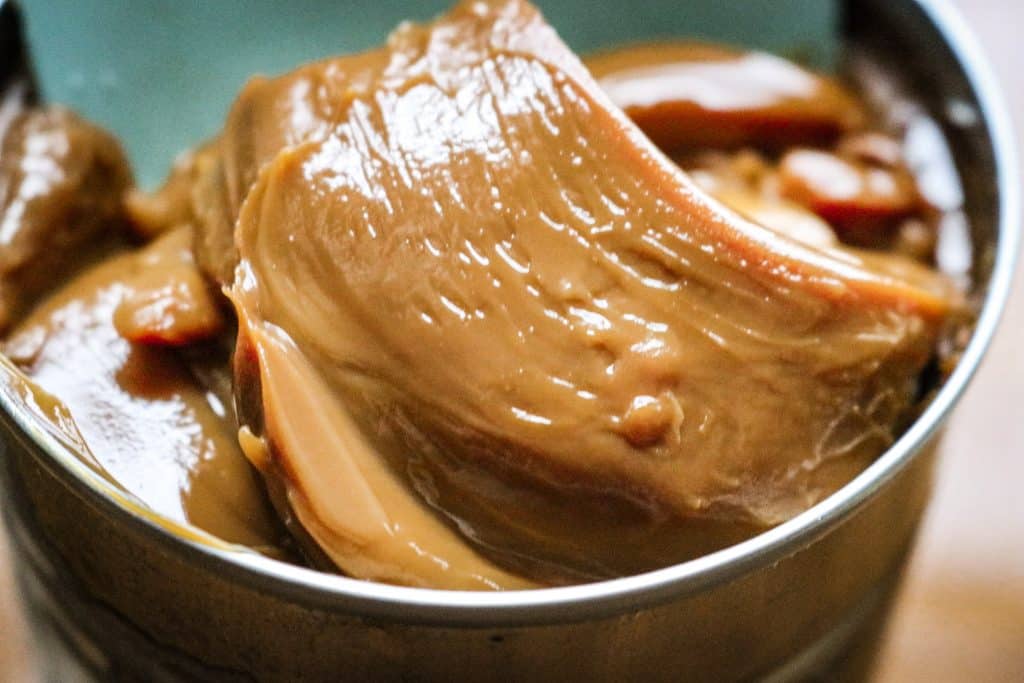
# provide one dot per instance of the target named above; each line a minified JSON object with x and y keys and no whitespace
{"x":167,"y":301}
{"x":858,"y":197}
{"x":61,"y":181}
{"x":691,"y":95}
{"x":470,"y":287}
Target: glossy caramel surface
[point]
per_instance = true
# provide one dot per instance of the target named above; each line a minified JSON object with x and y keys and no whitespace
{"x":687,"y":95}
{"x":61,"y":180}
{"x":146,"y":419}
{"x":536,"y":320}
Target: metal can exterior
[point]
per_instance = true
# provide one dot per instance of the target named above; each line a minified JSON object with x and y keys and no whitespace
{"x":123,"y":608}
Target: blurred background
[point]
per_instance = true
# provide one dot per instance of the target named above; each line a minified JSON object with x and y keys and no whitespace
{"x":961,"y":613}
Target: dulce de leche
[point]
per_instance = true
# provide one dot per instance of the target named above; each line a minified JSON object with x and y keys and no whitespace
{"x":487,"y":333}
{"x":484,"y":322}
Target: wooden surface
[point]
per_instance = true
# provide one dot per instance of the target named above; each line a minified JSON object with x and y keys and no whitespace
{"x":961,"y":614}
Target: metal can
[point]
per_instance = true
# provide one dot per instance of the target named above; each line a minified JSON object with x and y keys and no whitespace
{"x":114,"y":595}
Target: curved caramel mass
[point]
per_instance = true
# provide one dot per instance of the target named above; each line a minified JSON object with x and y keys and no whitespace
{"x":487,"y":278}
